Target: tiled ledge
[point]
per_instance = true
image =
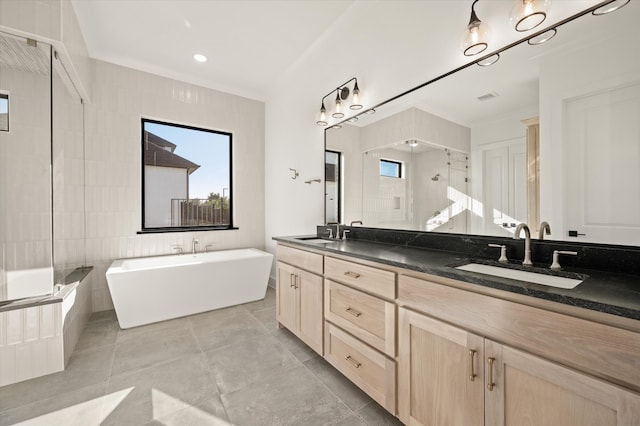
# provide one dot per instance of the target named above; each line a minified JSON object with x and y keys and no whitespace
{"x":37,"y":337}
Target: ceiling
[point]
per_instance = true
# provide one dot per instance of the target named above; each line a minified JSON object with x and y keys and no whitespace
{"x":252,"y":45}
{"x":249,"y":43}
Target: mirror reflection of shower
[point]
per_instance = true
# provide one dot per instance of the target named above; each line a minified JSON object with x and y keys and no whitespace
{"x":402,"y":200}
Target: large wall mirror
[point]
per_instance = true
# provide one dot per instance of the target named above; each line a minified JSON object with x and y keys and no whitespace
{"x":550,"y":132}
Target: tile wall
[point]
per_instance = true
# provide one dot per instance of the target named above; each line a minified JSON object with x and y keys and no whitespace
{"x":31,"y":343}
{"x":39,"y":340}
{"x":122,"y":96}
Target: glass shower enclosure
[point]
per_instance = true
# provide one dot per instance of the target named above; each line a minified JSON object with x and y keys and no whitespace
{"x":41,"y":170}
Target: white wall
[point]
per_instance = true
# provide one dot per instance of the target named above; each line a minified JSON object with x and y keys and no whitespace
{"x":123,"y":96}
{"x":162,"y":185}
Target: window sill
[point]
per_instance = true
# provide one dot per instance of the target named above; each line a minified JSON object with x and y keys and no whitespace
{"x":186,"y":229}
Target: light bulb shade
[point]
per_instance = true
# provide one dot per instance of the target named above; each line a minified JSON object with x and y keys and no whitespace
{"x":475,"y":38}
{"x":322,"y":118}
{"x":610,"y":7}
{"x":528,"y":14}
{"x":355,"y":99}
{"x":338,"y":111}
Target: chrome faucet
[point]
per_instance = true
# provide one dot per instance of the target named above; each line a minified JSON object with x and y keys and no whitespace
{"x":194,"y":243}
{"x":544,"y":229}
{"x":527,"y":242}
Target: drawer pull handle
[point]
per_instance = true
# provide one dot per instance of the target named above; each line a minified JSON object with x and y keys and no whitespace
{"x":292,"y":280}
{"x":297,"y":281}
{"x":355,"y":363}
{"x":353,"y":312}
{"x":490,"y":385}
{"x":352,"y":274}
{"x":473,"y":375}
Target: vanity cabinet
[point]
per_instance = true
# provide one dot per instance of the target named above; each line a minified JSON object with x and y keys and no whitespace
{"x":360,"y":318}
{"x":453,"y":370}
{"x":299,"y":296}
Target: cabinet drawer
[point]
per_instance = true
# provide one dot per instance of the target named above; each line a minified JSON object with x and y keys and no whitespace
{"x":302,"y":259}
{"x":367,"y":317}
{"x":370,"y":370}
{"x":371,"y":280}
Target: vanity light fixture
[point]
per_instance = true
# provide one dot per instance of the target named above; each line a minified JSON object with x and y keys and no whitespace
{"x":342,"y":99}
{"x":200,"y":57}
{"x":610,"y":7}
{"x":475,"y":37}
{"x":528,"y":14}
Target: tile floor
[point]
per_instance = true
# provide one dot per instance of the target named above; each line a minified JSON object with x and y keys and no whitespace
{"x":231,"y":366}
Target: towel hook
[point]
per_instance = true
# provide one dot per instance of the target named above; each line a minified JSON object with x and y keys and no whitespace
{"x":295,"y":173}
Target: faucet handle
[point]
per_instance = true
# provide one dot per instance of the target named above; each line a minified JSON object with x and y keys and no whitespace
{"x":330,"y":230}
{"x":178,"y":249}
{"x":207,"y":247}
{"x":555,"y":265}
{"x":503,"y":252}
{"x":346,"y":233}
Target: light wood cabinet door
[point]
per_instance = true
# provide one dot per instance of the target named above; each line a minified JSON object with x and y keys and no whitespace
{"x":529,"y":390}
{"x":309,"y":288}
{"x":287,"y":297}
{"x":440,"y":378}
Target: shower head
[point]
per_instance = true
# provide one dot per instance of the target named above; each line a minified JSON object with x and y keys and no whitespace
{"x":436,"y":177}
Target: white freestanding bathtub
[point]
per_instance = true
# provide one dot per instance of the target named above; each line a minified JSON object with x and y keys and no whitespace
{"x":151,"y":289}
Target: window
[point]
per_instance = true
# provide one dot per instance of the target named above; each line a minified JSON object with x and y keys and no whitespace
{"x":390,"y":168}
{"x":186,"y":178}
{"x":4,"y":112}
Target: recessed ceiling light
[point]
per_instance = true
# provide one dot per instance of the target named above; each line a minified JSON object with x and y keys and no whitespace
{"x":199,"y":57}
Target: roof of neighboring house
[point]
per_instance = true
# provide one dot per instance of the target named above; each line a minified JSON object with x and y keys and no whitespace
{"x":157,"y":140}
{"x":158,"y":155}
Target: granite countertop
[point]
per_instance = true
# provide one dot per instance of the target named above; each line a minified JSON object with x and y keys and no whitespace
{"x":611,"y":293}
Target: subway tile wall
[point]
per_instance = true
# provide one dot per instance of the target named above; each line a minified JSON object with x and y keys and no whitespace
{"x":25,"y":165}
{"x":121,"y":97}
{"x":31,"y":343}
{"x":39,"y":340}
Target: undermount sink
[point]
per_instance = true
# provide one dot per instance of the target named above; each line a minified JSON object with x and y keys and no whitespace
{"x":314,"y":240}
{"x":526,"y":276}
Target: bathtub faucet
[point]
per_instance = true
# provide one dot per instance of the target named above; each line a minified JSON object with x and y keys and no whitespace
{"x":194,"y":243}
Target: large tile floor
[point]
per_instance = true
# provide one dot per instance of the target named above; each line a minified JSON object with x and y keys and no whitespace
{"x":231,"y":366}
